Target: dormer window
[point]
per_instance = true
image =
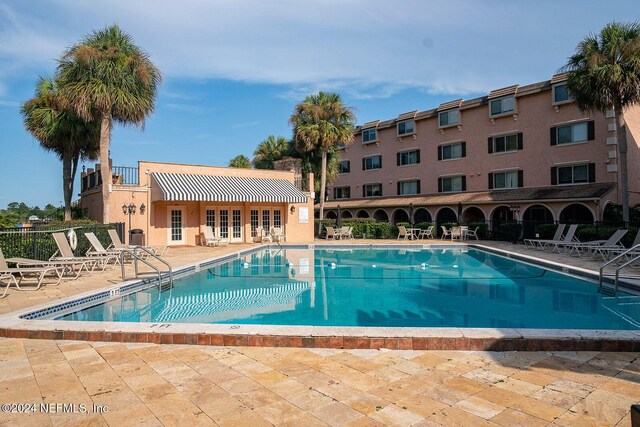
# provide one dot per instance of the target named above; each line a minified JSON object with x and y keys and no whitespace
{"x":561,"y":94}
{"x":449,"y":118}
{"x":369,"y":135}
{"x":406,"y":127}
{"x":502,"y":106}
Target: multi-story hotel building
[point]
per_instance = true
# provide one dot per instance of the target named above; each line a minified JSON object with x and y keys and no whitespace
{"x":521,"y":153}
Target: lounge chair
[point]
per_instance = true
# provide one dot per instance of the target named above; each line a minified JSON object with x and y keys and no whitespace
{"x":403,"y":233}
{"x":65,"y":253}
{"x":630,"y":252}
{"x":426,"y":233}
{"x":539,"y":243}
{"x":563,"y":242}
{"x":331,"y":233}
{"x":277,"y":234}
{"x":445,"y":232}
{"x":99,"y":250}
{"x":72,"y":267}
{"x":261,"y":236}
{"x":594,"y":247}
{"x":209,"y":239}
{"x":116,"y":243}
{"x":39,"y":272}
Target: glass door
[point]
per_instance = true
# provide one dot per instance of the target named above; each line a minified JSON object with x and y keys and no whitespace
{"x":176,"y":230}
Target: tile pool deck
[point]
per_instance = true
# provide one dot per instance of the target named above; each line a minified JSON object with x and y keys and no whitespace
{"x":176,"y":384}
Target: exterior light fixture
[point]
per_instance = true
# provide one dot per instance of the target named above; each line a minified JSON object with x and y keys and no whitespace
{"x":142,"y":208}
{"x":292,"y":209}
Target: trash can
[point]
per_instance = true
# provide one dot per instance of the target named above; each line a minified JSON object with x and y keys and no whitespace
{"x":136,"y":237}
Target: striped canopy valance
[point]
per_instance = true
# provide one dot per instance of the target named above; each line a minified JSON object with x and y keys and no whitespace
{"x":213,"y":188}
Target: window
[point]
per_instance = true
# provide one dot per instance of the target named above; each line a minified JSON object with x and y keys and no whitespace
{"x":211,"y":218}
{"x":573,"y":133}
{"x":369,"y":135}
{"x":451,"y":184}
{"x":449,"y":118}
{"x":561,"y":93}
{"x":452,"y":151}
{"x":509,"y":179}
{"x":342,"y":192}
{"x":409,"y":187}
{"x":266,"y":220}
{"x":408,"y":158}
{"x":254,"y":221}
{"x":369,"y":163}
{"x":277,"y":218}
{"x":574,"y":174}
{"x":505,"y":143}
{"x":406,"y":127}
{"x":345,"y":166}
{"x":372,"y":190}
{"x":502,"y":106}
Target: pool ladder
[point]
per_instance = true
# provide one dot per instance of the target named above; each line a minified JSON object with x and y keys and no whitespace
{"x":140,"y":253}
{"x":608,"y":290}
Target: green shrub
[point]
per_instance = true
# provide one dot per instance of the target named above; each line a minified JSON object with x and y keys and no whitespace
{"x":423,"y":225}
{"x":483,"y":229}
{"x":509,"y":231}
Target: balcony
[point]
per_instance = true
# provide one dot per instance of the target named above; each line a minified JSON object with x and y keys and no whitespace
{"x":120,"y":175}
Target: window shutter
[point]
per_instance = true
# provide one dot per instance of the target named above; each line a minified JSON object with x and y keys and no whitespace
{"x":380,"y":189}
{"x":464,"y":149}
{"x":364,"y":191}
{"x":399,"y":189}
{"x":335,"y":193}
{"x":554,"y":175}
{"x":490,"y":145}
{"x":380,"y":157}
{"x":398,"y":159}
{"x":490,"y":181}
{"x":418,"y":186}
{"x":363,"y":163}
{"x":520,"y":140}
{"x":553,"y":136}
{"x":417,"y":156}
{"x":464,"y":183}
{"x":592,"y":172}
{"x":439,"y":152}
{"x":520,"y":178}
{"x":439,"y":185}
{"x":591,"y":131}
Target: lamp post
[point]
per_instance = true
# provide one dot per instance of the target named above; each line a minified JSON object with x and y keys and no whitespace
{"x":129,"y":210}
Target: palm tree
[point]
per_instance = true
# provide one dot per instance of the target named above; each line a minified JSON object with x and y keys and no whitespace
{"x":271,"y":149}
{"x":107,"y":78}
{"x":240,"y":161}
{"x":322,"y":122}
{"x":60,"y":130}
{"x":604,"y":74}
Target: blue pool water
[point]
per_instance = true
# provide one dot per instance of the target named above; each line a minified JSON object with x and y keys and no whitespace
{"x":451,"y":287}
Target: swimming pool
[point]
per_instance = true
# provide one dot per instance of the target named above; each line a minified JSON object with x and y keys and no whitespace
{"x":413,"y":287}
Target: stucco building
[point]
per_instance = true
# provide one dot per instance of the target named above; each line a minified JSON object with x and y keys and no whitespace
{"x":520,"y":153}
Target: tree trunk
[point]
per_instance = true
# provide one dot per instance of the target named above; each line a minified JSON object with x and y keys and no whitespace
{"x":105,"y":166}
{"x":621,"y":133}
{"x":67,"y":181}
{"x":323,"y":182}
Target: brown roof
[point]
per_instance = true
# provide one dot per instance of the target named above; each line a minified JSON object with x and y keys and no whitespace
{"x":409,"y":115}
{"x":509,"y":90}
{"x":451,"y":104}
{"x":557,"y":78}
{"x":564,"y":192}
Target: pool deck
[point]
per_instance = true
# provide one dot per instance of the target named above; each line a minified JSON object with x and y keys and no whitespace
{"x":169,"y":384}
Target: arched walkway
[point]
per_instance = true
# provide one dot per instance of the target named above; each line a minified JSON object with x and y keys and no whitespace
{"x":472,"y":214}
{"x":362,"y":214}
{"x":576,"y":214}
{"x":331,"y":215}
{"x":381,"y":216}
{"x":346,"y":215}
{"x":421,"y":215}
{"x":500,"y":215}
{"x":532,"y":217}
{"x":400,"y":215}
{"x":443,"y":216}
{"x":612,"y":213}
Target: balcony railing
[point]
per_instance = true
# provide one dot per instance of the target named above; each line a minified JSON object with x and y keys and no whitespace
{"x":121,"y":175}
{"x":301,"y":183}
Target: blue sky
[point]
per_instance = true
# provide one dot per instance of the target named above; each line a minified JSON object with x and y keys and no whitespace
{"x":234,"y":70}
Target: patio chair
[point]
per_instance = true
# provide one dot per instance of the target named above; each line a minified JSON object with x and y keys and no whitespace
{"x":426,"y":233}
{"x":277,"y":234}
{"x":261,"y":236}
{"x":116,"y":243}
{"x":65,"y":253}
{"x":568,"y":238}
{"x":539,"y":243}
{"x":346,"y":232}
{"x":349,"y":233}
{"x":209,"y":239}
{"x":331,"y":233}
{"x":456,"y":233}
{"x":445,"y":232}
{"x":472,"y":233}
{"x":403,"y":233}
{"x":39,"y":272}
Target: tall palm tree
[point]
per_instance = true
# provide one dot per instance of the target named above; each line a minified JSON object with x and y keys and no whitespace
{"x":271,"y":149}
{"x":240,"y":161}
{"x":107,"y":78}
{"x":60,"y":130}
{"x":604,"y":74}
{"x":322,"y":122}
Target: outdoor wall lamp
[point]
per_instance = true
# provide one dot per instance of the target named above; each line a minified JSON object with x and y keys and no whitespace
{"x":292,"y":209}
{"x":514,"y":208}
{"x":129,"y":209}
{"x":142,"y":209}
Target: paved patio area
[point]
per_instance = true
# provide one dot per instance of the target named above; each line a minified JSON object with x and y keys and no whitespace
{"x":149,"y":384}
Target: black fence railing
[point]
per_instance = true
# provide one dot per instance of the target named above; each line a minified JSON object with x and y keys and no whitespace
{"x":37,"y":242}
{"x":121,"y":175}
{"x":301,"y":183}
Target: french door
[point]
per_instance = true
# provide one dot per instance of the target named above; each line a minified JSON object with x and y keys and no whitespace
{"x":175,"y":225}
{"x":226,"y":222}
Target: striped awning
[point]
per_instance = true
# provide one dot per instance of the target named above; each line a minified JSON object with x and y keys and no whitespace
{"x":214,"y":188}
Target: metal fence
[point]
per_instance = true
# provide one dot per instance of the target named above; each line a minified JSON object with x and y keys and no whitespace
{"x":37,"y":242}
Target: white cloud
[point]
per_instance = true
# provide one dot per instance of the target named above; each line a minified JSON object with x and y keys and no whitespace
{"x":367,"y":48}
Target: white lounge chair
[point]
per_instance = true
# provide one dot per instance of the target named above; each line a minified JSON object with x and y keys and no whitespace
{"x":65,"y":253}
{"x":601,"y":247}
{"x":630,"y":252}
{"x":99,"y":250}
{"x":116,"y":243}
{"x":563,"y":242}
{"x":539,"y":243}
{"x":261,"y":236}
{"x":38,"y":272}
{"x":209,"y":239}
{"x":277,"y":234}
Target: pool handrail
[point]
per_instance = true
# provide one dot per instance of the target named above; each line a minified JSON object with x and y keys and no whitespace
{"x":616,"y":258}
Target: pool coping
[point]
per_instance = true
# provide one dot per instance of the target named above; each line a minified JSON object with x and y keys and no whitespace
{"x":18,"y":324}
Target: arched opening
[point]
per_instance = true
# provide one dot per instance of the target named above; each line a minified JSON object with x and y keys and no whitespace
{"x":499,"y":216}
{"x":362,"y":214}
{"x":472,"y":214}
{"x":400,"y":215}
{"x":316,"y":214}
{"x":331,"y":215}
{"x":576,"y":214}
{"x":381,"y":216}
{"x":421,"y":215}
{"x":532,"y":217}
{"x":612,"y":213}
{"x":445,"y":215}
{"x":346,"y":215}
